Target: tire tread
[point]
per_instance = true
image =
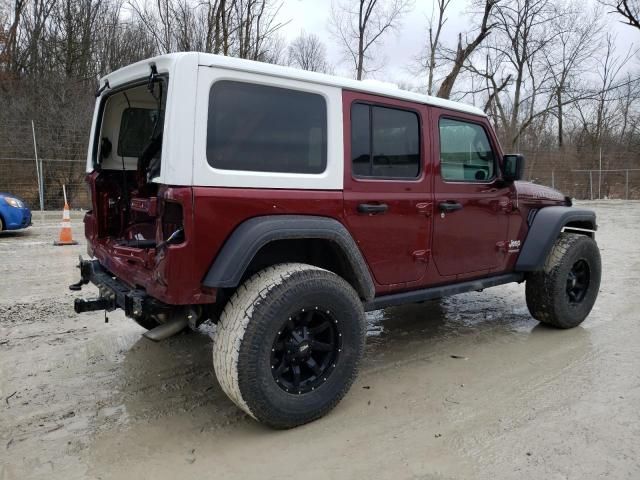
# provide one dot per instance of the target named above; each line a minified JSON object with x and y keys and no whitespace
{"x":542,"y":286}
{"x":234,"y":321}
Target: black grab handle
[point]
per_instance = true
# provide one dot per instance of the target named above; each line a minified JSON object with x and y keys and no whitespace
{"x":373,"y":207}
{"x":450,"y":206}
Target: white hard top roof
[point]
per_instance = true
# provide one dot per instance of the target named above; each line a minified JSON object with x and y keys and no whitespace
{"x":367,"y":86}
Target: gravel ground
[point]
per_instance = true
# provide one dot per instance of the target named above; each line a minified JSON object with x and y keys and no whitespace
{"x":466,"y":387}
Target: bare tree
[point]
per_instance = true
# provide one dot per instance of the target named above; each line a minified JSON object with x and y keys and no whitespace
{"x":464,"y":52}
{"x":360,"y":25}
{"x":450,"y":63}
{"x":9,"y":37}
{"x":577,"y":41}
{"x":628,"y":9}
{"x":218,"y":26}
{"x":242,"y":28}
{"x":274,"y":50}
{"x":627,"y":106}
{"x":428,"y":60}
{"x":158,"y":19}
{"x":601,"y":116}
{"x":308,"y":52}
{"x":256,"y":23}
{"x":522,"y":34}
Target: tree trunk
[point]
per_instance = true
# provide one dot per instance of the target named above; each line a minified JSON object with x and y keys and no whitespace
{"x":360,"y":59}
{"x":560,"y":132}
{"x":462,"y":54}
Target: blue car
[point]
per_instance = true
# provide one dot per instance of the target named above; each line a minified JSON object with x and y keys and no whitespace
{"x":14,"y":214}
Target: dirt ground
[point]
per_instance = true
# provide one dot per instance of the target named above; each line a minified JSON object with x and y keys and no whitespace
{"x":466,"y":387}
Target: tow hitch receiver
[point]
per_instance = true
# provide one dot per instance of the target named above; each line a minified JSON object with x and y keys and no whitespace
{"x":80,"y":305}
{"x":134,"y":301}
{"x":113,"y":293}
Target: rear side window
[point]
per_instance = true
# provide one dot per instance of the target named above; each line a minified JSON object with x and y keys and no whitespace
{"x":385,"y":142}
{"x":465,"y":152}
{"x":136,"y":128}
{"x":266,"y":129}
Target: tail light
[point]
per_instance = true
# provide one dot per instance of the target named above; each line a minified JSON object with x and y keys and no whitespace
{"x":172,"y":223}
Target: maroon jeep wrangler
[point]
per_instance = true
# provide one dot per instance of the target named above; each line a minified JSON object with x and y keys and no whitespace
{"x":283,"y":204}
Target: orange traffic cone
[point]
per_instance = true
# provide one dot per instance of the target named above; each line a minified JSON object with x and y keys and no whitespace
{"x":65,"y":237}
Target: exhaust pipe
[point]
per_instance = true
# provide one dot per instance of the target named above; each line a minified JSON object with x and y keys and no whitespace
{"x":166,"y":330}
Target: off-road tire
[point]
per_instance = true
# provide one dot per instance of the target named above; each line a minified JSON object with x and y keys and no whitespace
{"x":251,"y":321}
{"x":547,"y":297}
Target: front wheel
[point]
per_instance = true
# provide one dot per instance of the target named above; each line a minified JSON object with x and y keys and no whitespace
{"x":563,"y":293}
{"x":288,"y":344}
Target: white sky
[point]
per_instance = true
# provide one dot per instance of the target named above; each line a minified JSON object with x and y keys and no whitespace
{"x":399,"y":49}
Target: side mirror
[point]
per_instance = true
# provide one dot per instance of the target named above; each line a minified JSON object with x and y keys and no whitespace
{"x":513,"y":167}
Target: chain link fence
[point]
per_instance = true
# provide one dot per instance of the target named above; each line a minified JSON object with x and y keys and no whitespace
{"x":61,"y":158}
{"x":587,"y":175}
{"x":19,"y":176}
{"x":55,"y":154}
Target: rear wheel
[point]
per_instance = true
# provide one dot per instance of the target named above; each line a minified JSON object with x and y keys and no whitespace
{"x":1,"y":225}
{"x":288,"y":344}
{"x":563,"y":293}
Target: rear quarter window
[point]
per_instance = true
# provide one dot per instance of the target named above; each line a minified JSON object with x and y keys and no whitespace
{"x":266,"y":129}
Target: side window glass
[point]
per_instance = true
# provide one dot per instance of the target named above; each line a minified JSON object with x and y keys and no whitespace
{"x":465,"y":152}
{"x":385,"y":142}
{"x":360,"y":140}
{"x":260,"y":128}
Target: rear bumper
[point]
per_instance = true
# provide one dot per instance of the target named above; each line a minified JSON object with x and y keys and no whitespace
{"x":114,"y":293}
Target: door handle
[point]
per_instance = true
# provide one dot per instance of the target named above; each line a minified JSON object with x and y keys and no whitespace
{"x":373,"y":207}
{"x":449,"y":206}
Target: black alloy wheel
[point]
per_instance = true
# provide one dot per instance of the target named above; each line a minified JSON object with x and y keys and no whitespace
{"x":578,"y":281}
{"x":306,"y":350}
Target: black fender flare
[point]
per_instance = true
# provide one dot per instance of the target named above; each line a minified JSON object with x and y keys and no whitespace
{"x":251,"y":235}
{"x":547,"y":225}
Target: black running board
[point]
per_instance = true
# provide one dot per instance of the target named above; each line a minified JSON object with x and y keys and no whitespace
{"x":432,"y":293}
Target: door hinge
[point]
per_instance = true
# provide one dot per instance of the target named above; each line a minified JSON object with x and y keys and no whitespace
{"x":422,"y":255}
